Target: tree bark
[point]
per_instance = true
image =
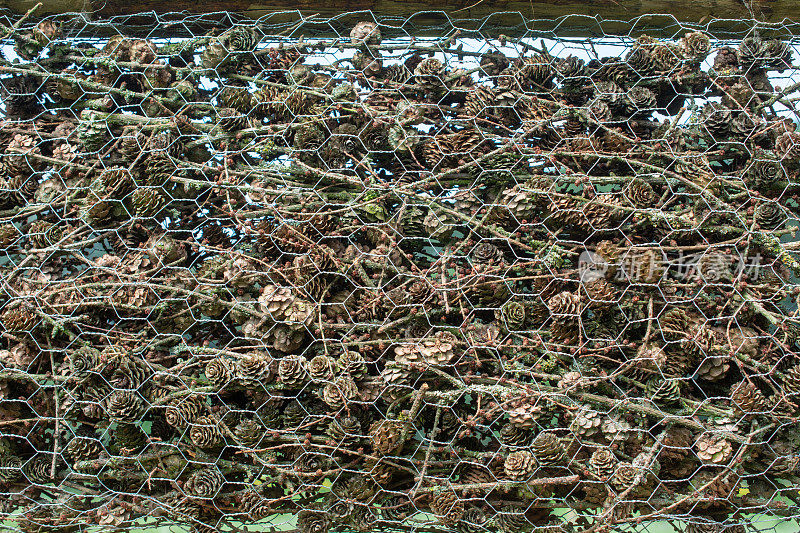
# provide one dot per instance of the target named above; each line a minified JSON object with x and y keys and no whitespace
{"x":726,"y":17}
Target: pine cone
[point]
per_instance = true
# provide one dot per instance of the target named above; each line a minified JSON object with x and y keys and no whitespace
{"x":603,"y":462}
{"x":340,"y":392}
{"x":548,"y":450}
{"x":219,"y":371}
{"x":293,"y":370}
{"x":83,"y":449}
{"x":663,"y":391}
{"x":512,"y":316}
{"x":447,"y":507}
{"x":695,"y":46}
{"x":312,"y":522}
{"x":385,"y":436}
{"x":148,"y":201}
{"x":512,"y":435}
{"x":205,"y":483}
{"x":125,"y":406}
{"x":474,"y":520}
{"x":345,"y":429}
{"x":587,"y":422}
{"x":713,"y":448}
{"x":524,"y":415}
{"x":254,"y":368}
{"x":204,"y":432}
{"x":352,"y":363}
{"x":184,"y":411}
{"x":747,"y":399}
{"x":676,"y":444}
{"x":321,"y":368}
{"x":519,"y":465}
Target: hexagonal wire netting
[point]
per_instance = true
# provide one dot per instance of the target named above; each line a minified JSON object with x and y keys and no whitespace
{"x":312,"y":275}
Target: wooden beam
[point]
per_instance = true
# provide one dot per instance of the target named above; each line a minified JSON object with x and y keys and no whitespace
{"x":654,"y":16}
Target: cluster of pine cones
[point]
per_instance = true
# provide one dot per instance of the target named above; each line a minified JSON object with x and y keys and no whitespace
{"x":373,"y":282}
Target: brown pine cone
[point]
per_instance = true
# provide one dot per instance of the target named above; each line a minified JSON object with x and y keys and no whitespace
{"x":747,"y":399}
{"x":205,"y":483}
{"x":204,"y":432}
{"x":603,"y":462}
{"x":447,"y":507}
{"x":713,"y":448}
{"x":184,"y":411}
{"x":340,"y":392}
{"x":321,"y":368}
{"x":293,"y":370}
{"x":125,"y":406}
{"x":385,"y":435}
{"x":519,"y":465}
{"x":219,"y":371}
{"x":548,"y":450}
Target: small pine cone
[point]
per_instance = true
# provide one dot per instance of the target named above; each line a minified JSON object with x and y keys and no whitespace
{"x":219,"y":371}
{"x":321,"y":368}
{"x":515,"y":436}
{"x":83,"y":449}
{"x":770,"y":216}
{"x":235,"y":97}
{"x":184,"y":411}
{"x":9,"y":235}
{"x":713,"y":448}
{"x":10,"y":468}
{"x":352,"y":363}
{"x":447,"y":507}
{"x":791,"y":382}
{"x":676,"y":444}
{"x":747,"y":399}
{"x":395,"y":373}
{"x":479,"y":102}
{"x":674,"y":324}
{"x":84,"y":361}
{"x":640,"y":193}
{"x":44,"y":234}
{"x":716,"y":119}
{"x":663,"y":391}
{"x":512,"y":520}
{"x":276,"y":301}
{"x":599,"y":293}
{"x":313,"y":522}
{"x":624,"y":476}
{"x":713,"y":368}
{"x":385,"y":435}
{"x":255,"y":506}
{"x":714,"y":485}
{"x":230,"y":119}
{"x":587,"y":422}
{"x":19,"y":317}
{"x":519,"y":465}
{"x":293,"y":370}
{"x":249,"y":432}
{"x":254,"y":368}
{"x":125,"y":406}
{"x":474,"y":520}
{"x":345,"y":429}
{"x":365,"y":32}
{"x":205,"y":483}
{"x":603,"y":462}
{"x":430,"y":74}
{"x":548,"y":450}
{"x":148,"y":201}
{"x":340,"y":392}
{"x":512,"y":315}
{"x":487,"y":254}
{"x":695,"y":46}
{"x":524,"y":415}
{"x":205,"y":432}
{"x":565,"y":306}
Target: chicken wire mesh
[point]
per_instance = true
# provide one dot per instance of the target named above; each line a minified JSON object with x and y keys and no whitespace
{"x":308,"y":276}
